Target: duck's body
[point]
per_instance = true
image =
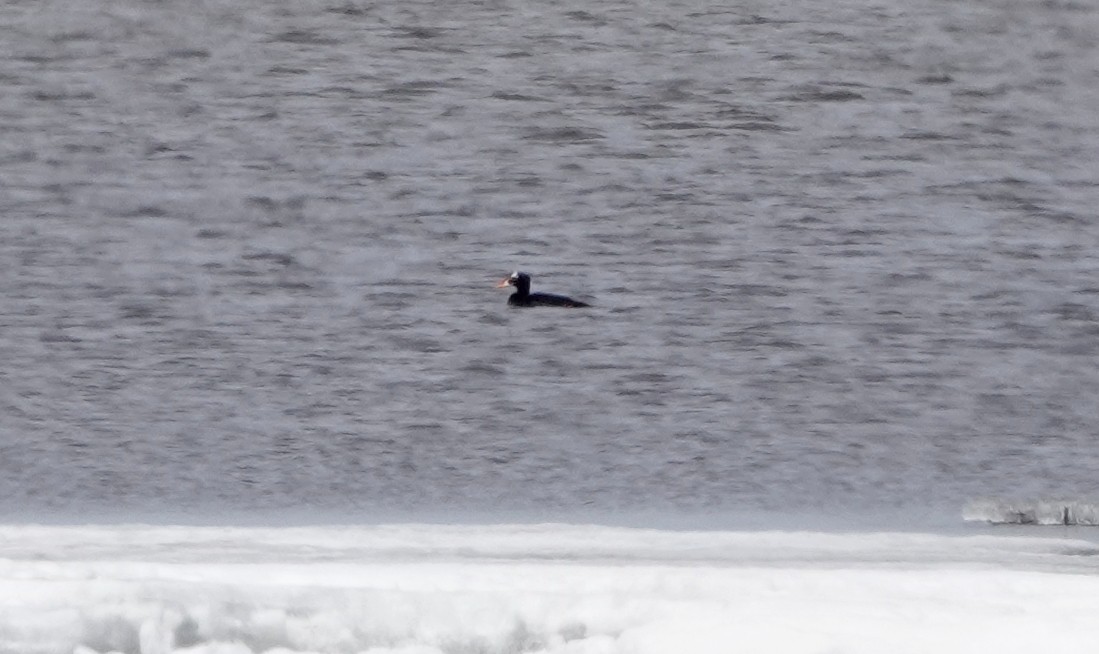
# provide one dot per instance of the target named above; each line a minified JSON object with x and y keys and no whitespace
{"x":522,"y":297}
{"x":543,"y":300}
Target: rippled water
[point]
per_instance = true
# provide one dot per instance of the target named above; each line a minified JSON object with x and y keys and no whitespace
{"x":842,"y":256}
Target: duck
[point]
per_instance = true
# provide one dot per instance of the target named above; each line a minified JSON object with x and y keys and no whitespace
{"x":522,"y":297}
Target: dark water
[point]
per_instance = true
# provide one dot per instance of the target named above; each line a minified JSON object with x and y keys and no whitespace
{"x":842,"y":256}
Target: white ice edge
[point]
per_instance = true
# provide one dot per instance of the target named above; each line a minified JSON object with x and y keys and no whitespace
{"x":538,"y":542}
{"x":539,"y":588}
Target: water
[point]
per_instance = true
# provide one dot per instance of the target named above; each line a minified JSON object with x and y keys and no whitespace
{"x":842,"y":257}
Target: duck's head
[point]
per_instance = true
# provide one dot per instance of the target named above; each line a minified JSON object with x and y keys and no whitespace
{"x":517,"y":279}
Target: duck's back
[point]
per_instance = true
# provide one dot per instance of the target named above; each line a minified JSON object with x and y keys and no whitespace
{"x":545,"y":300}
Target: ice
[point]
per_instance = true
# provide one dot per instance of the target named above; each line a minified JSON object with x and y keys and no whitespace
{"x":1034,"y":512}
{"x":418,"y":589}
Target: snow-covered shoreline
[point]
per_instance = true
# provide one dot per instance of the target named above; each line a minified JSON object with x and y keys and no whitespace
{"x":539,"y":588}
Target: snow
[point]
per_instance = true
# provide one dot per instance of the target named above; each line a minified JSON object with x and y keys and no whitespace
{"x":420,"y":589}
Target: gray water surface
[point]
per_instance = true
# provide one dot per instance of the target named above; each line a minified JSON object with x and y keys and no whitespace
{"x":843,"y":256}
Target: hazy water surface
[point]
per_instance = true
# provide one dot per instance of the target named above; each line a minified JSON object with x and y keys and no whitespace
{"x":842,"y":256}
